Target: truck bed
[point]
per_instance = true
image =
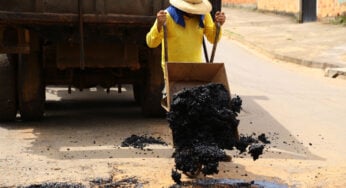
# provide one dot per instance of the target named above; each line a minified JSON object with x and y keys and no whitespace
{"x":68,"y":11}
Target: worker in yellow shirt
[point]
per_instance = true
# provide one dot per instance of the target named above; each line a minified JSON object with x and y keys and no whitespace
{"x":187,"y":21}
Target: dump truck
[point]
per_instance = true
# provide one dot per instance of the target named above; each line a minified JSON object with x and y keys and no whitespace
{"x":77,"y":44}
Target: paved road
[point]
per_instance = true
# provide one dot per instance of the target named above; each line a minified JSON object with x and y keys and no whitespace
{"x":300,"y":111}
{"x":313,"y":44}
{"x":79,"y":140}
{"x":303,"y":107}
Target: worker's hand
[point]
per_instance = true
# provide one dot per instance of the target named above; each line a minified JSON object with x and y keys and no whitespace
{"x":161,"y":19}
{"x":220,"y":17}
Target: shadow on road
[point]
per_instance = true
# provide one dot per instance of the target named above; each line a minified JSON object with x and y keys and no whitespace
{"x":94,"y":127}
{"x":254,"y":120}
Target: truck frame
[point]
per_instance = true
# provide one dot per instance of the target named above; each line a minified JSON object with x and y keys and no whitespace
{"x":77,"y":43}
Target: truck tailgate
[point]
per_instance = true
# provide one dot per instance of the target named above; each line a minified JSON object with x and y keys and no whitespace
{"x":68,"y":11}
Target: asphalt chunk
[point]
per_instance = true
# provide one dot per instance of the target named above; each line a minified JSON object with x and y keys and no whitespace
{"x":142,"y":141}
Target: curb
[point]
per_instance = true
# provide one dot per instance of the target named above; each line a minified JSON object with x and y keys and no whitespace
{"x":335,"y":72}
{"x":307,"y":63}
{"x":330,"y":70}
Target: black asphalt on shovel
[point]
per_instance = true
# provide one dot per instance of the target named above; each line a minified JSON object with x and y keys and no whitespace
{"x":191,"y":74}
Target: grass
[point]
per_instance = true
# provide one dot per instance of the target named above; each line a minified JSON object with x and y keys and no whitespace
{"x":340,"y":20}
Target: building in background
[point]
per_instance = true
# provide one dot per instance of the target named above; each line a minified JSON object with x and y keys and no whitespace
{"x":303,"y":10}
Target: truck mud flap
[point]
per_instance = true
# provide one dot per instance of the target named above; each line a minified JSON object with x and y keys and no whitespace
{"x":8,"y":98}
{"x":31,"y":90}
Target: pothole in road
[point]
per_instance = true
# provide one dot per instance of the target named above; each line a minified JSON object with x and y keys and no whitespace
{"x":133,"y":182}
{"x":228,"y":183}
{"x":96,"y":183}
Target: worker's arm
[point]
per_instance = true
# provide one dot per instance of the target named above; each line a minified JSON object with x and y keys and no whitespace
{"x":210,"y":26}
{"x":155,"y":35}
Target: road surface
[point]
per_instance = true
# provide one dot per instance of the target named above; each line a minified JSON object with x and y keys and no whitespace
{"x":305,"y":108}
{"x":299,"y":110}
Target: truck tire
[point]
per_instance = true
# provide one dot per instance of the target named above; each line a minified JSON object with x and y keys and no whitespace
{"x":31,"y":89}
{"x":136,"y":88}
{"x":152,"y":90}
{"x":8,"y":98}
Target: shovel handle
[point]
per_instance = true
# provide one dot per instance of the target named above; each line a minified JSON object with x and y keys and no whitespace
{"x":165,"y":41}
{"x":215,"y":42}
{"x":205,"y":51}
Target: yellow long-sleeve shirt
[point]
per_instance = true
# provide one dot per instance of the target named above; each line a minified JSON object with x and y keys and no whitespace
{"x":184,"y":43}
